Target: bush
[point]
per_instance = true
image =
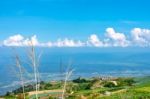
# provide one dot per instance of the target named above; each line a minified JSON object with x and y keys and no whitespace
{"x":125,"y":81}
{"x":109,"y":84}
{"x":80,"y":80}
{"x":84,"y":86}
{"x":47,"y":86}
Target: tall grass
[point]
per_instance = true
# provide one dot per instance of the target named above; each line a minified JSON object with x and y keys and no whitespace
{"x":34,"y":59}
{"x":20,"y":67}
{"x":67,"y":76}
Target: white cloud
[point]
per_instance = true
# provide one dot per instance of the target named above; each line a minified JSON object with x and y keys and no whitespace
{"x":34,"y":40}
{"x":68,"y":43}
{"x":116,"y":39}
{"x":93,"y":40}
{"x":48,"y":44}
{"x":19,"y":40}
{"x":140,"y":37}
{"x":15,"y":40}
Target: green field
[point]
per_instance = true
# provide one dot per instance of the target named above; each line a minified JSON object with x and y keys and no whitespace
{"x":93,"y":88}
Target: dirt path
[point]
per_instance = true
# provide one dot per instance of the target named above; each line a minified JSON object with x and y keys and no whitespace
{"x":118,"y":91}
{"x":44,"y":91}
{"x":60,"y":90}
{"x":114,"y":92}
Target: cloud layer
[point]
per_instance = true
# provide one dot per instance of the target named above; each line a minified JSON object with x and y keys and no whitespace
{"x":137,"y":37}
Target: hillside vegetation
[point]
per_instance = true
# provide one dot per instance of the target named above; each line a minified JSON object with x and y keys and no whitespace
{"x":93,"y":88}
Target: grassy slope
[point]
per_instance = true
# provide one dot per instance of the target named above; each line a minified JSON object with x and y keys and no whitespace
{"x":141,"y":90}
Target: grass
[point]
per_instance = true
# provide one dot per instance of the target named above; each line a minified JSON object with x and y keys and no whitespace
{"x":45,"y":94}
{"x":98,"y":90}
{"x":83,"y":89}
{"x":128,"y":95}
{"x":141,"y":90}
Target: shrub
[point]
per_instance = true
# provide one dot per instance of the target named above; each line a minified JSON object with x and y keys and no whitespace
{"x":109,"y":84}
{"x":48,"y":86}
{"x":80,"y":80}
{"x":125,"y":81}
{"x":84,"y":86}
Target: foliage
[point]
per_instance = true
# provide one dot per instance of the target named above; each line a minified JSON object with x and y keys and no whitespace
{"x":80,"y":80}
{"x":81,"y":88}
{"x":125,"y":81}
{"x":109,"y":84}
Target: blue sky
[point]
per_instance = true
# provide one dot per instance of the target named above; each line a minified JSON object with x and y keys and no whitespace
{"x":75,"y":19}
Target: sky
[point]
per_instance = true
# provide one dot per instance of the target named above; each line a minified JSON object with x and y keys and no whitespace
{"x":92,"y":22}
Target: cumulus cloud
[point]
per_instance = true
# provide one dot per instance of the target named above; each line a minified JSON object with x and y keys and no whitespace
{"x":19,"y":40}
{"x":116,"y":39}
{"x":15,"y":40}
{"x":47,"y":44}
{"x":93,"y":40}
{"x":68,"y":43}
{"x":140,"y":37}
